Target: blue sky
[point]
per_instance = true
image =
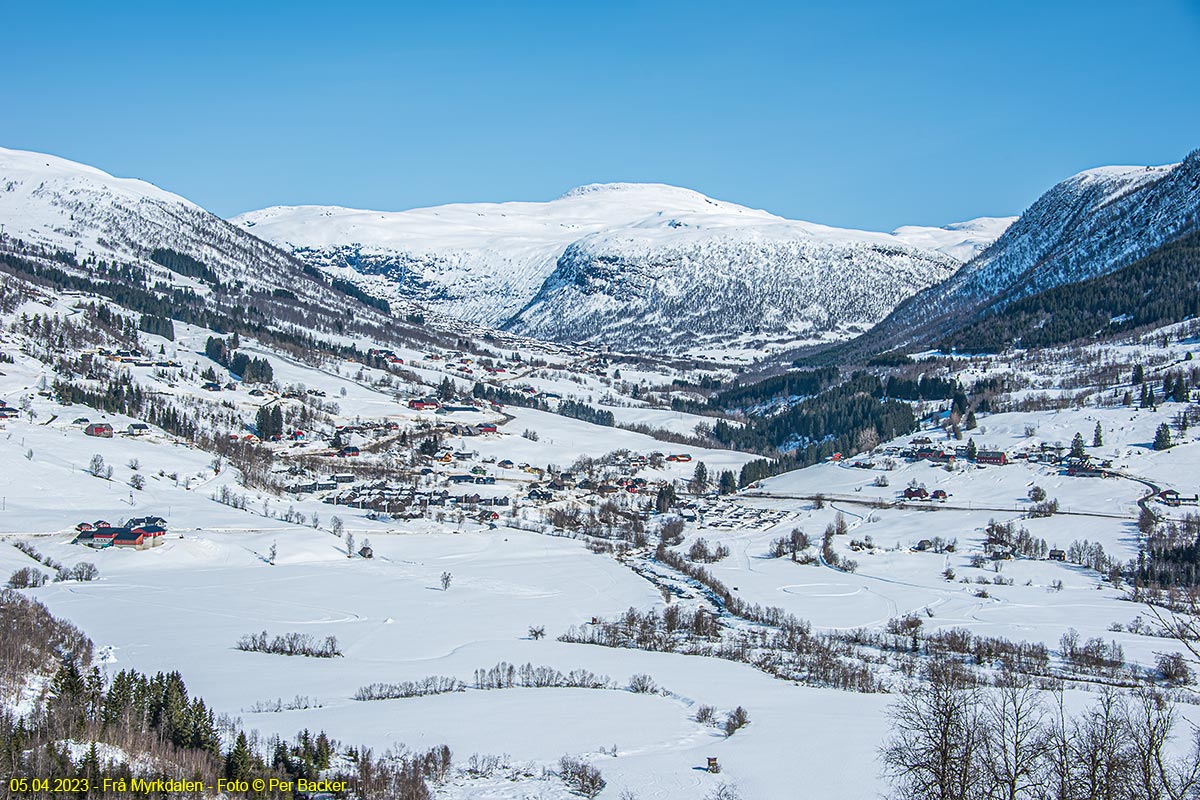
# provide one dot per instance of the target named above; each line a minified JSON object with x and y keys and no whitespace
{"x":863,"y":114}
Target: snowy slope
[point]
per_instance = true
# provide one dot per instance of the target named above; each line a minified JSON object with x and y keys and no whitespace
{"x":621,"y":262}
{"x":961,"y":240}
{"x":1088,"y":225}
{"x":65,"y":205}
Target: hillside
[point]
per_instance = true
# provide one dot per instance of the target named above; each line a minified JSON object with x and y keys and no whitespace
{"x":1088,"y":225}
{"x":1151,"y":292}
{"x":636,"y":266}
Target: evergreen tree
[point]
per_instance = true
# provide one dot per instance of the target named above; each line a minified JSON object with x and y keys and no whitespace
{"x":67,"y":692}
{"x":323,"y":752}
{"x":972,"y":449}
{"x":1098,"y":436}
{"x":1180,"y":393}
{"x":1138,"y":374}
{"x":1162,"y":437}
{"x":727,"y":483}
{"x":970,"y":422}
{"x":89,"y":767}
{"x":262,"y":422}
{"x":699,"y":480}
{"x":665,"y":499}
{"x":1077,"y":447}
{"x":118,"y":702}
{"x":203,"y":733}
{"x":239,"y":762}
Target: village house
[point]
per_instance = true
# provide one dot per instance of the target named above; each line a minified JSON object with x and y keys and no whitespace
{"x":101,"y":429}
{"x":996,"y":457}
{"x":127,"y":538}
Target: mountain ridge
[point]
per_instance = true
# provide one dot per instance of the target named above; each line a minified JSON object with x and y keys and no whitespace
{"x":524,"y":266}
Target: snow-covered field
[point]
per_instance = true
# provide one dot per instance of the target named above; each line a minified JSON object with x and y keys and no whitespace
{"x":238,"y":560}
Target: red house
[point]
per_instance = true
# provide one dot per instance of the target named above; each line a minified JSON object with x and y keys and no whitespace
{"x":101,"y":429}
{"x":128,"y":538}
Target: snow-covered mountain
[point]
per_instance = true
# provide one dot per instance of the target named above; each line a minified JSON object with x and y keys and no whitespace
{"x":1090,"y":224}
{"x":64,"y":205}
{"x":629,"y":264}
{"x":962,"y":240}
{"x":76,"y":218}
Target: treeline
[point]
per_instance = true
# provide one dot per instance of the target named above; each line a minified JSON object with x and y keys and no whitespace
{"x":165,"y":733}
{"x":58,"y":334}
{"x":790,"y":652}
{"x":840,"y":419}
{"x":28,"y":577}
{"x":1170,"y":555}
{"x":183,"y":264}
{"x":954,"y":740}
{"x":120,"y":395}
{"x":582,"y":411}
{"x":268,"y":421}
{"x":1153,"y":291}
{"x":513,"y":397}
{"x":348,"y":288}
{"x":503,"y":675}
{"x":225,"y":352}
{"x":506,"y":676}
{"x":158,"y":326}
{"x":258,"y":315}
{"x":32,"y":638}
{"x":290,"y":644}
{"x":422,"y":687}
{"x":923,"y":388}
{"x":799,"y":383}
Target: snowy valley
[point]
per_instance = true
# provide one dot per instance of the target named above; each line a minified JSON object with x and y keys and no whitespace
{"x":545,"y":484}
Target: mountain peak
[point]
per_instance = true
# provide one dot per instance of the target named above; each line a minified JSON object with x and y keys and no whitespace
{"x":662,"y":189}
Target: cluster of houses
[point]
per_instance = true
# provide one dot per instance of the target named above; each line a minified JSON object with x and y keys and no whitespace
{"x":1173,"y":498}
{"x":407,"y":501}
{"x":135,"y":358}
{"x":7,"y":411}
{"x":385,"y":355}
{"x":921,"y":493}
{"x":922,"y":448}
{"x":138,"y":533}
{"x":104,"y":430}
